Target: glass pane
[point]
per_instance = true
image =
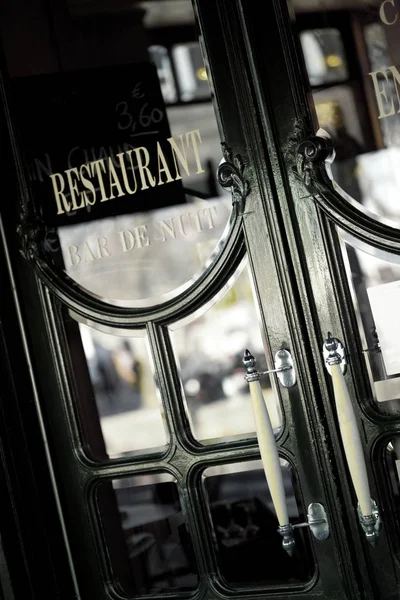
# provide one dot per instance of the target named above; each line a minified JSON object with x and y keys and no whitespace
{"x":324,"y":55}
{"x":248,"y":545}
{"x":392,"y":459}
{"x":209,"y":347}
{"x":160,"y":57}
{"x":374,"y":278}
{"x":146,"y":535}
{"x":190,"y":71}
{"x":352,"y":56}
{"x":122,"y":149}
{"x":391,"y":462}
{"x":119,"y":405}
{"x":145,"y":259}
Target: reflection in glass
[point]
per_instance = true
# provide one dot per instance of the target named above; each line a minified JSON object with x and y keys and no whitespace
{"x":335,"y":108}
{"x":356,"y":98}
{"x":127,"y":181}
{"x":145,"y":530}
{"x":209,"y":349}
{"x":191,"y":73}
{"x":324,"y":55}
{"x":392,"y":460}
{"x":374,"y":278}
{"x":162,"y":238}
{"x":379,"y":56}
{"x":149,"y":257}
{"x":249,"y":548}
{"x":159,"y":55}
{"x":127,"y":400}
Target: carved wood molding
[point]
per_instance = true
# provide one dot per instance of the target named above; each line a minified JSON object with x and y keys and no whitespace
{"x":312,"y":166}
{"x":231,"y":175}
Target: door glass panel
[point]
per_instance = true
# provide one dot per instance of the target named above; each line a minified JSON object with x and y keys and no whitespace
{"x":352,"y":58}
{"x":122,"y":149}
{"x":324,"y":55}
{"x":147,"y":539}
{"x":248,"y":545}
{"x":118,"y":400}
{"x":392,"y":459}
{"x":191,"y":74}
{"x":160,"y":57}
{"x":374,"y":278}
{"x":156,"y":255}
{"x":209,"y":346}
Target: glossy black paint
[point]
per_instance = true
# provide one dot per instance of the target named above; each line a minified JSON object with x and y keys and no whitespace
{"x":288,"y":232}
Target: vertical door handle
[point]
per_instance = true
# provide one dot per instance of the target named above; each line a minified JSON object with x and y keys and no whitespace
{"x":316,"y":517}
{"x":368,"y":512}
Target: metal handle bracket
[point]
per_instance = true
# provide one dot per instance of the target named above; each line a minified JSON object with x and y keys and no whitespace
{"x":370,"y":524}
{"x":334,"y":354}
{"x":283,"y":368}
{"x":316,"y":521}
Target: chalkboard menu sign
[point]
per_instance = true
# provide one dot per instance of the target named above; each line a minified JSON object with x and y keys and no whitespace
{"x":97,"y":143}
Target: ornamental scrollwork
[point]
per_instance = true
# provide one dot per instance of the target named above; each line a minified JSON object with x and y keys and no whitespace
{"x":37,"y":240}
{"x":231,"y":175}
{"x":312,"y":154}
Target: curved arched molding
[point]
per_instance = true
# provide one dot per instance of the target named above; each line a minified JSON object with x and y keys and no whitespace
{"x":35,"y":237}
{"x":369,"y":249}
{"x":193,"y":316}
{"x":74,"y":297}
{"x":313,"y":167}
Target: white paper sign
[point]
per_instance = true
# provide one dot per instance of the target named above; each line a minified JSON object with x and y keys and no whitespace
{"x":385,"y":305}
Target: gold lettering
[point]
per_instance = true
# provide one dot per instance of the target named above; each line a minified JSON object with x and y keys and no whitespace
{"x":192,"y":135}
{"x":143,"y":167}
{"x":396,"y":78}
{"x":176,"y":153}
{"x":120,"y":157}
{"x":381,"y":92}
{"x":115,"y":182}
{"x":112,"y":157}
{"x":88,"y":185}
{"x":73,"y":188}
{"x":382,"y":13}
{"x":126,"y":236}
{"x":164,"y":169}
{"x":95,"y":165}
{"x":82,"y":187}
{"x":58,"y":193}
